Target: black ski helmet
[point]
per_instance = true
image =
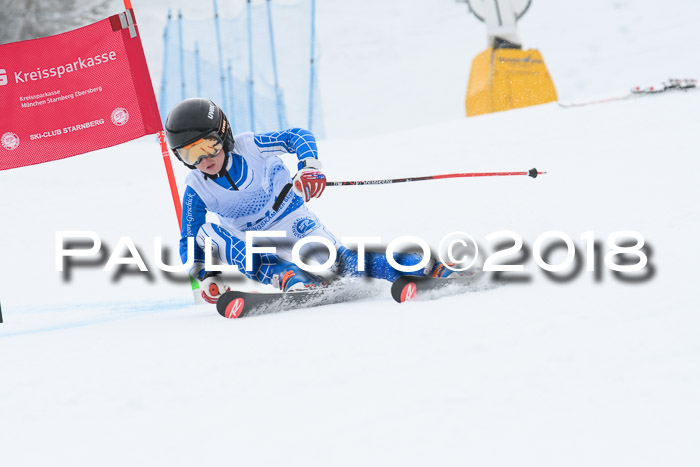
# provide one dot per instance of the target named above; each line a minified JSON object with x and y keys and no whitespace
{"x":193,"y":119}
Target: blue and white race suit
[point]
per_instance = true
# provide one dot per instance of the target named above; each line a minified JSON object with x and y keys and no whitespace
{"x":259,"y":176}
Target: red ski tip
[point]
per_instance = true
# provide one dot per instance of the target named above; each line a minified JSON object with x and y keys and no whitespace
{"x":234,"y":309}
{"x":408,"y":292}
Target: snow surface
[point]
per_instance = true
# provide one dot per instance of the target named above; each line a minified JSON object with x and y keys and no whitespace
{"x":113,"y":371}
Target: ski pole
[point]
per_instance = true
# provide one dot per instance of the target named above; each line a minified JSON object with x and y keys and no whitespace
{"x":532,"y":173}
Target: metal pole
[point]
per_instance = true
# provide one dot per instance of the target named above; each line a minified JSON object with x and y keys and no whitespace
{"x":278,"y":96}
{"x":251,"y":98}
{"x":312,"y":64}
{"x":182,"y":56}
{"x":198,"y":78}
{"x":532,"y":173}
{"x":232,"y":113}
{"x":221,"y":60}
{"x":164,"y":71}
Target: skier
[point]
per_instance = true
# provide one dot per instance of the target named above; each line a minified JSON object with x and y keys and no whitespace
{"x":243,"y":181}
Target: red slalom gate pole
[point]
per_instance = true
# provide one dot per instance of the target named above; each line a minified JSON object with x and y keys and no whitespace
{"x":196,"y":292}
{"x":171,"y":177}
{"x":531,"y":173}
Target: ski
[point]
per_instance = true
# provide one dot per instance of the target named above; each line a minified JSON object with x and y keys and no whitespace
{"x":673,"y":84}
{"x":237,"y":304}
{"x":407,"y":288}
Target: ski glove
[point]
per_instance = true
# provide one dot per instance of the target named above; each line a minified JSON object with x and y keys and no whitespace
{"x":212,"y":287}
{"x":309,"y":182}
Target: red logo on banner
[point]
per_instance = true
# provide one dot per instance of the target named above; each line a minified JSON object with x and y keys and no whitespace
{"x":75,"y":92}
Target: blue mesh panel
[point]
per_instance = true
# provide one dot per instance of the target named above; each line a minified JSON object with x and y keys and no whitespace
{"x":195,"y":70}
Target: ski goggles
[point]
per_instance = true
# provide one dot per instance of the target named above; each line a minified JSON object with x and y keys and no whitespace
{"x":204,"y":148}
